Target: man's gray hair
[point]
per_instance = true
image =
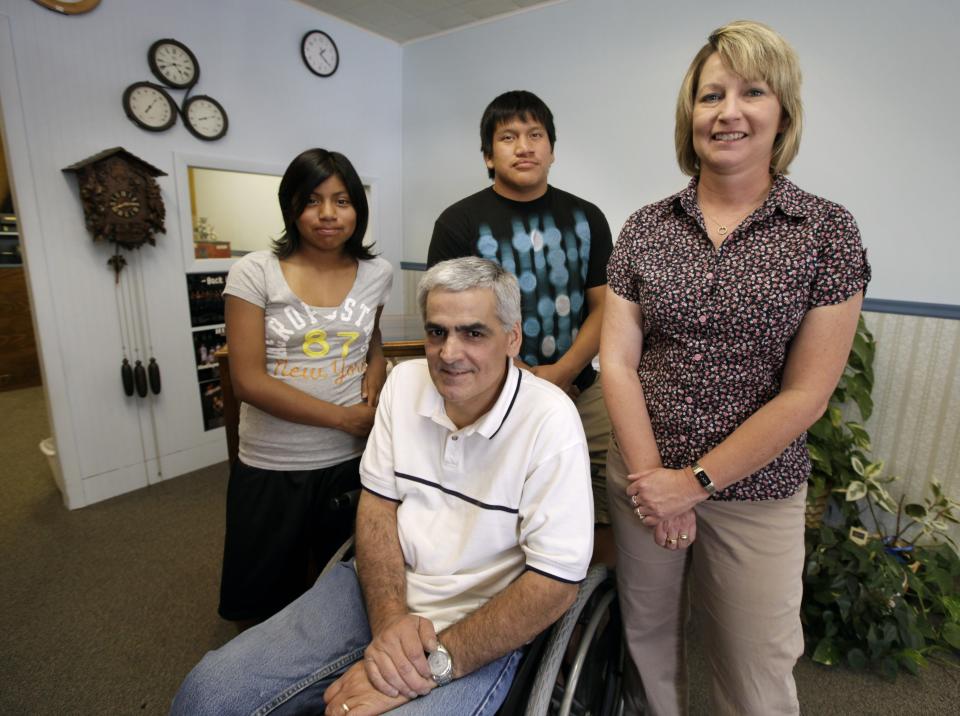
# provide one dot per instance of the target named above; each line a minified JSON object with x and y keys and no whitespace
{"x":471,"y":272}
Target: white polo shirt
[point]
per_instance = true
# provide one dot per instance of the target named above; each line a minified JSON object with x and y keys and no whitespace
{"x":481,"y":504}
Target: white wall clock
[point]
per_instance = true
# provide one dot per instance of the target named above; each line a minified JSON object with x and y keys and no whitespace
{"x":173,"y":63}
{"x":149,"y":106}
{"x":320,"y":53}
{"x":205,"y":118}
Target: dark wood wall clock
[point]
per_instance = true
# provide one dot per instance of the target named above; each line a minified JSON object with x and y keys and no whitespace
{"x":122,"y":205}
{"x":69,"y":7}
{"x":121,"y":198}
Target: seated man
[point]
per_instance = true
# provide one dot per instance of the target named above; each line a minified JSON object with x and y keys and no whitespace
{"x":474,"y":527}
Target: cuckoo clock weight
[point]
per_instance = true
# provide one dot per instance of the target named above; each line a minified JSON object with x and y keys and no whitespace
{"x":122,"y":205}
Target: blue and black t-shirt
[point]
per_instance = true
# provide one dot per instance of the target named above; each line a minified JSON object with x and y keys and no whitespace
{"x":557,"y":246}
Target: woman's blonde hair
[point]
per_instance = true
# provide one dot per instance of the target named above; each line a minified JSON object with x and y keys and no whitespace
{"x":755,"y":52}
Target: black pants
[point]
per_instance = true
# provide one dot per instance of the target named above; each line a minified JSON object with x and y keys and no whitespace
{"x":279,"y":523}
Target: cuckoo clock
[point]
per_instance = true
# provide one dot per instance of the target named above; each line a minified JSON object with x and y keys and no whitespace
{"x":121,"y":198}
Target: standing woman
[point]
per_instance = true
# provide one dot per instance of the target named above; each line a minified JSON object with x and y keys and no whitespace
{"x":730,"y":313}
{"x":307,"y":362}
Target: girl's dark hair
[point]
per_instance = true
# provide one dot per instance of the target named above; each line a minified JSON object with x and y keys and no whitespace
{"x":305,"y":173}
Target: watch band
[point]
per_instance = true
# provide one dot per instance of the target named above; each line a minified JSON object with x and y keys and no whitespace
{"x":703,"y":478}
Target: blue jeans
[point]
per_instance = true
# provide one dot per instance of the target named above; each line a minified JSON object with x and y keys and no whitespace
{"x":283,"y":665}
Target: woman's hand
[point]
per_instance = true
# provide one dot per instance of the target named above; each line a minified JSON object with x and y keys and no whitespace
{"x":371,"y":385}
{"x":676,"y":532}
{"x":661,"y":493}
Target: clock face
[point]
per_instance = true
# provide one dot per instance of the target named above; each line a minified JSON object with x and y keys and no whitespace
{"x":125,"y":204}
{"x":149,"y":106}
{"x":205,"y":118}
{"x":173,"y":63}
{"x":320,"y":53}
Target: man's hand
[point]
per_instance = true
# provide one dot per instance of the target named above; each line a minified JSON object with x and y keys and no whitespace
{"x":661,"y":493}
{"x":356,"y":691}
{"x":560,"y":377}
{"x":395,"y":662}
{"x":357,"y":419}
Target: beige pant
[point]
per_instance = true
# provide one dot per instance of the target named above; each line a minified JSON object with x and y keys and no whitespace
{"x":596,"y":425}
{"x":744,"y":576}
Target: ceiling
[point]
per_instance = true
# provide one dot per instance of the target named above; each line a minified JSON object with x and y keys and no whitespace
{"x":406,"y":20}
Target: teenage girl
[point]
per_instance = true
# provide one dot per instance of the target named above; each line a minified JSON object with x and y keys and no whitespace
{"x":307,"y":363}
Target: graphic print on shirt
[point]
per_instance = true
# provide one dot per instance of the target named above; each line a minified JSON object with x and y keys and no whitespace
{"x":304,"y":333}
{"x":551,"y":267}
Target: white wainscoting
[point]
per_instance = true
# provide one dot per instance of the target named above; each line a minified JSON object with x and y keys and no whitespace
{"x":915,"y":425}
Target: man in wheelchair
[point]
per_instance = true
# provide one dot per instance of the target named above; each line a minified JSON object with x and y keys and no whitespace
{"x":474,"y":527}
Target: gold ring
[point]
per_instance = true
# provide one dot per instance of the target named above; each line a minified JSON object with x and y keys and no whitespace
{"x":672,"y":540}
{"x":639,"y":514}
{"x":345,"y":707}
{"x":684,"y":537}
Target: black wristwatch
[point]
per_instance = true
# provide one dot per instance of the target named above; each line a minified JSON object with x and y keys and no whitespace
{"x":703,"y":478}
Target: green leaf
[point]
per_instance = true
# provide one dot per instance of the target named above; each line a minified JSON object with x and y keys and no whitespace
{"x":950,"y":632}
{"x":917,"y":512}
{"x":826,"y":652}
{"x":860,"y":389}
{"x":951,"y":606}
{"x":860,"y":436}
{"x":856,"y":490}
{"x":857,"y":659}
{"x":857,"y":465}
{"x":912,"y":660}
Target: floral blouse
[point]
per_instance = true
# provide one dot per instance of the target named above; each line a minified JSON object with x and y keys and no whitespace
{"x":717,"y":323}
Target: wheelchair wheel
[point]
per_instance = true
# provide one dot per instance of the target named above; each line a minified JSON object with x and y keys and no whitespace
{"x":594,"y":680}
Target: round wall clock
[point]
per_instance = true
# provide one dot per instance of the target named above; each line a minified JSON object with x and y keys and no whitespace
{"x":320,"y":53}
{"x":149,"y":106}
{"x":205,"y":118}
{"x":69,"y":7}
{"x":173,"y":63}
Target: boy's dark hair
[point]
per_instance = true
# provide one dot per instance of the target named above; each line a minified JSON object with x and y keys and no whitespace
{"x":305,"y":173}
{"x":516,"y":103}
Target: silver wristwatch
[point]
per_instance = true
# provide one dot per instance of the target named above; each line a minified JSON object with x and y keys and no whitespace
{"x":441,"y":665}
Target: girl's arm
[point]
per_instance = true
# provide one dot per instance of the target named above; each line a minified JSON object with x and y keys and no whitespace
{"x":814,"y":364}
{"x":376,"y":374}
{"x":251,"y":384}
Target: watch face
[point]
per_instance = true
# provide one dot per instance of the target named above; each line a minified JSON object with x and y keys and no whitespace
{"x":173,"y":63}
{"x":125,"y":204}
{"x":320,"y":53}
{"x":149,"y":106}
{"x":439,"y":662}
{"x":205,"y":118}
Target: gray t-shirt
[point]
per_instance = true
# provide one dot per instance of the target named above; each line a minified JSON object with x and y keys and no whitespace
{"x":321,"y":351}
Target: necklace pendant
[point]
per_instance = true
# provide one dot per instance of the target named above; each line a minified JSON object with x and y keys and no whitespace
{"x":722,"y":230}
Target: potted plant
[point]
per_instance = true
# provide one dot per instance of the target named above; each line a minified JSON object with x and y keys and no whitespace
{"x":882,"y":577}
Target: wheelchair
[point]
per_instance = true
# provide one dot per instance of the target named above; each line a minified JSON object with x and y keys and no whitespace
{"x":573,"y":668}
